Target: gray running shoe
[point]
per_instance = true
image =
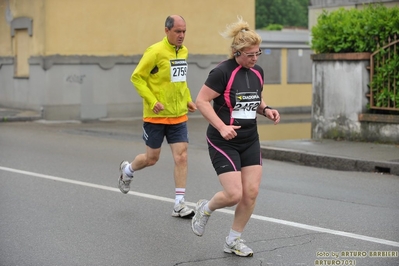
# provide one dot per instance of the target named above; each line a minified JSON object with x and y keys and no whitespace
{"x":181,"y":210}
{"x":239,"y":248}
{"x":200,"y":218}
{"x":124,"y":180}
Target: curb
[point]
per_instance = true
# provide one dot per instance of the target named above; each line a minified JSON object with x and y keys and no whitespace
{"x":18,"y":118}
{"x":329,"y":162}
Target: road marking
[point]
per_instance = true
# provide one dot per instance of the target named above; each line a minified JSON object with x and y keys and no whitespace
{"x":254,"y":216}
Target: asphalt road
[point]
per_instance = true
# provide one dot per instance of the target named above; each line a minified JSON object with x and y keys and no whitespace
{"x":60,"y":205}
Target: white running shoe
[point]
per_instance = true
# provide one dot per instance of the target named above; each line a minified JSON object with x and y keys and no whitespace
{"x":124,"y":180}
{"x":200,"y":218}
{"x":239,"y":248}
{"x":181,"y":210}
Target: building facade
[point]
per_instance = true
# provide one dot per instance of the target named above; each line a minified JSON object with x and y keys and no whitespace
{"x":73,"y":60}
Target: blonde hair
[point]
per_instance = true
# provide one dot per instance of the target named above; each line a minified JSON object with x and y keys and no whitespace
{"x":242,"y":36}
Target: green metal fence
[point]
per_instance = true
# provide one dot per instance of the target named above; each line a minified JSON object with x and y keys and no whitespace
{"x":384,"y":77}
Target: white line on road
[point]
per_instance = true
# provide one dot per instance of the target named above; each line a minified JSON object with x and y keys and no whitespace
{"x":254,"y":216}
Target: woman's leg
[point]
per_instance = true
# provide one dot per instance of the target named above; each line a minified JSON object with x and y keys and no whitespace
{"x":250,"y":177}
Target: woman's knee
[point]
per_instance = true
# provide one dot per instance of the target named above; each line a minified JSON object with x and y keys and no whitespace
{"x":234,"y":197}
{"x":249,"y":196}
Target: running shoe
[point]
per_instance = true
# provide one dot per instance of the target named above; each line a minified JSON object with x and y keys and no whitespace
{"x":200,"y":218}
{"x":181,"y":210}
{"x":238,"y":247}
{"x":124,"y":180}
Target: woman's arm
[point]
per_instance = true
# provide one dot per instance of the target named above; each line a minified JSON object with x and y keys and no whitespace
{"x":203,"y":102}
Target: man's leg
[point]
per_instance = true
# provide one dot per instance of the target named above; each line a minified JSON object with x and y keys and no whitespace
{"x":141,"y":161}
{"x":145,"y":159}
{"x":179,"y":152}
{"x":153,"y":135}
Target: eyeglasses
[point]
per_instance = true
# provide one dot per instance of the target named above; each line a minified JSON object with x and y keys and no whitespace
{"x":253,"y":54}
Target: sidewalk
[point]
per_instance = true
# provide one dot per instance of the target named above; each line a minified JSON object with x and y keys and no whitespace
{"x":330,"y":154}
{"x":12,"y":115}
{"x":336,"y":155}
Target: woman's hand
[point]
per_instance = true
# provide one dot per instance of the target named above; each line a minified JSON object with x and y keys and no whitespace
{"x":229,"y":132}
{"x":273,"y":115}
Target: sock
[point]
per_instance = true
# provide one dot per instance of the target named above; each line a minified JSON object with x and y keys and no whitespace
{"x":179,"y":194}
{"x":207,"y":211}
{"x":128,"y":171}
{"x":233,"y":236}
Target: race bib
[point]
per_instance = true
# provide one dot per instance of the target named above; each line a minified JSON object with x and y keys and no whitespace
{"x":178,"y":70}
{"x":246,"y":105}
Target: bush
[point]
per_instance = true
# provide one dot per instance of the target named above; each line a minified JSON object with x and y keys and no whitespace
{"x":275,"y":27}
{"x":354,"y":30}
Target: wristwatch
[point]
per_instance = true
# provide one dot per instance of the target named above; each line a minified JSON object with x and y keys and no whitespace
{"x":264,"y":109}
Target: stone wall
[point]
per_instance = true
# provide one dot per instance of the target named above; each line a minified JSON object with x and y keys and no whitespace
{"x":340,"y":88}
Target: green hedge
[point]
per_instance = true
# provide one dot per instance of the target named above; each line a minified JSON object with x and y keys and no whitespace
{"x":354,"y":30}
{"x":276,"y":27}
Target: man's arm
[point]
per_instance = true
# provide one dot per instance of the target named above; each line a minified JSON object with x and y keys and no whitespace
{"x":140,"y":76}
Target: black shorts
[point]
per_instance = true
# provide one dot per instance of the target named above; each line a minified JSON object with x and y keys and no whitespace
{"x":153,"y":134}
{"x":228,"y":156}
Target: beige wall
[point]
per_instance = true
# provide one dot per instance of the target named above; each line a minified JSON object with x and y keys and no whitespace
{"x":120,"y":27}
{"x":285,"y":94}
{"x":22,"y":8}
{"x":5,"y":41}
{"x":22,"y":51}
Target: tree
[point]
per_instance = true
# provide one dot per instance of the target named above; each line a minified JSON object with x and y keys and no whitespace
{"x":289,"y":13}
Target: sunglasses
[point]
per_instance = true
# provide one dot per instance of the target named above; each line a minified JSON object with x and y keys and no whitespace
{"x":253,"y":54}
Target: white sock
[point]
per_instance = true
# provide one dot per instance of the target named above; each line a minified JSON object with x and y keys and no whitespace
{"x":179,"y":192}
{"x":206,"y":209}
{"x":233,"y":236}
{"x":128,"y":171}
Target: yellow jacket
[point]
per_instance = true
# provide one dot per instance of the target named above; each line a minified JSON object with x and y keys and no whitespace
{"x":153,"y":77}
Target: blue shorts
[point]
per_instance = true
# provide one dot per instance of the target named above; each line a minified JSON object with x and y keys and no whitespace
{"x":153,"y":134}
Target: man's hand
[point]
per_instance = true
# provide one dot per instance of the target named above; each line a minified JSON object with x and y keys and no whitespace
{"x":158,"y":108}
{"x":191,"y":107}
